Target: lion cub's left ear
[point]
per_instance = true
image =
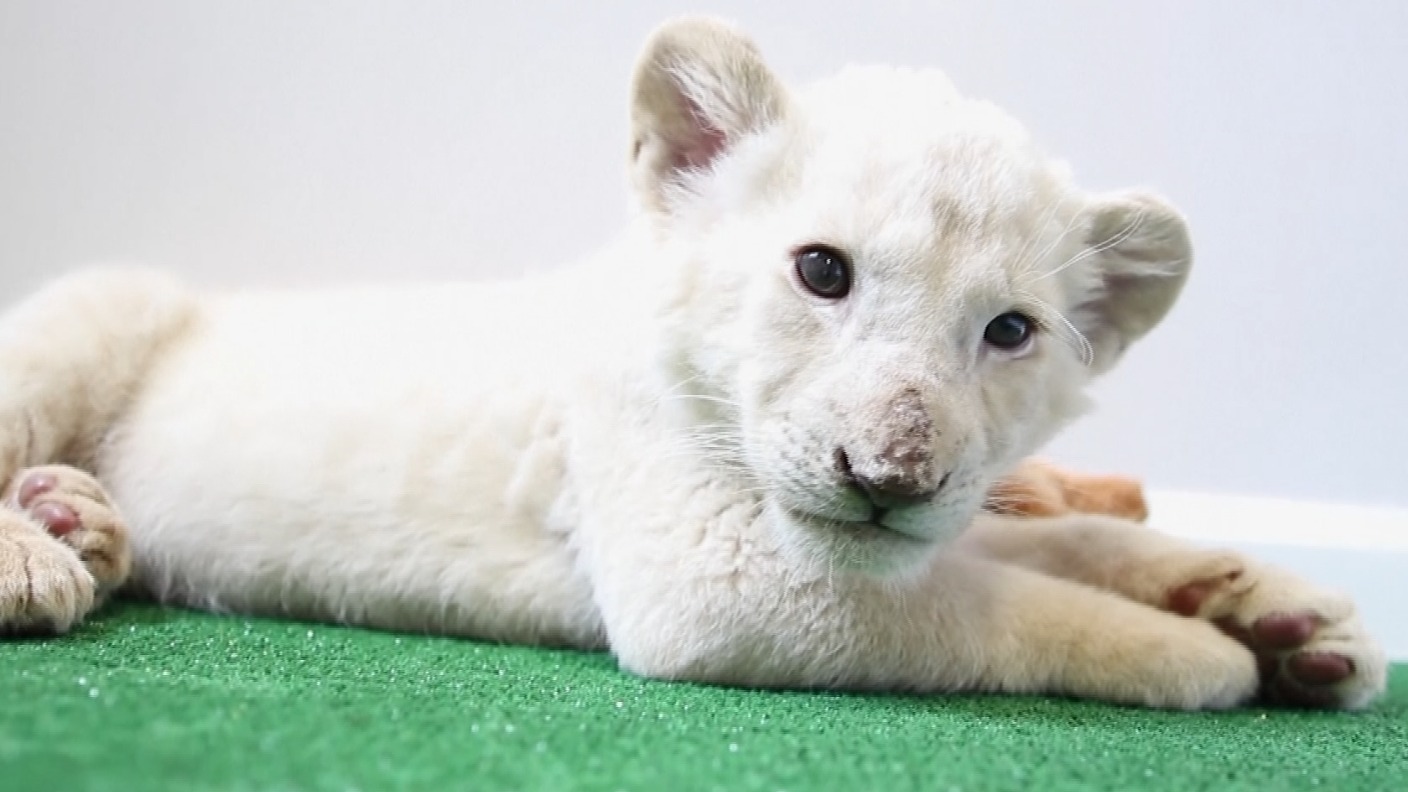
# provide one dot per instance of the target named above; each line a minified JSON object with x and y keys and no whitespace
{"x":1142,"y":256}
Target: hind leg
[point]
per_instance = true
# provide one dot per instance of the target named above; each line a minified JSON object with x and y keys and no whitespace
{"x":63,"y":549}
{"x":72,"y":358}
{"x":74,"y":355}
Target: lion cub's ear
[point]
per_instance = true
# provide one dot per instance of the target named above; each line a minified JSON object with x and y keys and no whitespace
{"x":699,"y":86}
{"x":1141,"y":259}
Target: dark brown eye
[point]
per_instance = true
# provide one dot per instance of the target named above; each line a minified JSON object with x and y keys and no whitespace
{"x":825,"y":272}
{"x":1010,"y":331}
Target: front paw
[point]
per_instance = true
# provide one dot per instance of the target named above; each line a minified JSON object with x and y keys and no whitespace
{"x":1311,"y":648}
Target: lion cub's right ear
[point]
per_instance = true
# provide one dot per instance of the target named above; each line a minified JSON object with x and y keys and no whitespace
{"x":699,"y":86}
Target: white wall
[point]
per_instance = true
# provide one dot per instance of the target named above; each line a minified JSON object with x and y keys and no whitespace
{"x":268,"y":141}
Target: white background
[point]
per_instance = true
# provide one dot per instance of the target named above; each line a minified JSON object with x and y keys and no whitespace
{"x":276,"y":142}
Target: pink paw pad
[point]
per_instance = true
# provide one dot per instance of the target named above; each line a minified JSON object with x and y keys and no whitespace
{"x":60,"y":520}
{"x":34,"y":486}
{"x":1320,"y":668}
{"x":1188,"y":599}
{"x":1289,"y":677}
{"x":1283,"y":631}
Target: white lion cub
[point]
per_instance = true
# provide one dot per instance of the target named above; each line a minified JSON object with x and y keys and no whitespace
{"x":747,"y":444}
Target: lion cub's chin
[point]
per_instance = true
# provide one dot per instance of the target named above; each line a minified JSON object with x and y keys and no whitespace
{"x":891,"y":548}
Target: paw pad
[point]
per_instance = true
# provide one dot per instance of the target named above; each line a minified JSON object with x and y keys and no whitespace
{"x":1320,"y":668}
{"x":59,"y":519}
{"x":33,"y":486}
{"x":1188,"y":599}
{"x":1283,"y":631}
{"x":71,"y":506}
{"x":1289,"y":677}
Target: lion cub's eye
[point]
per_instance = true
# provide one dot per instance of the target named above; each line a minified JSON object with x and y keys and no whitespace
{"x":824,"y":271}
{"x":1010,"y":331}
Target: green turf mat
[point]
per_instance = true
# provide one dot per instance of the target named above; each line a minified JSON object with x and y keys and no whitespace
{"x":147,"y":698}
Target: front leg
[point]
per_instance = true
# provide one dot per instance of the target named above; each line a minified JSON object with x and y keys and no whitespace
{"x":720,"y":603}
{"x":1311,"y":646}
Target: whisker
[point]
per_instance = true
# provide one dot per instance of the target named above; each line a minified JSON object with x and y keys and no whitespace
{"x":702,"y":397}
{"x":1100,"y":248}
{"x":1035,"y":234}
{"x":707,"y":441}
{"x":1026,"y":267}
{"x":1072,"y":334}
{"x":674,"y":389}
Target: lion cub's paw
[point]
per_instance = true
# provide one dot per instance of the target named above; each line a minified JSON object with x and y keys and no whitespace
{"x":1311,"y":648}
{"x":63,"y":548}
{"x":73,"y":507}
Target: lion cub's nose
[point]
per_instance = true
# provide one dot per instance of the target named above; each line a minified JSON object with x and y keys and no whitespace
{"x":902,"y":476}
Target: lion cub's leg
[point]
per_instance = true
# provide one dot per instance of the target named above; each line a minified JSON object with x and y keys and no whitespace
{"x":964,"y":624}
{"x":63,"y":549}
{"x":1312,"y":648}
{"x":74,"y":355}
{"x":72,"y":358}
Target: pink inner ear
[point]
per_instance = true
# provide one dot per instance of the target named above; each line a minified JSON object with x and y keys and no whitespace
{"x":701,"y":149}
{"x":701,"y":145}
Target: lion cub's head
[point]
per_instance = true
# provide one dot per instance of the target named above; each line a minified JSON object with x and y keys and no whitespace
{"x":888,"y":293}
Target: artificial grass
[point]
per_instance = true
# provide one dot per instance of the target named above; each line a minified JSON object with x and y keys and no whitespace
{"x":148,"y":698}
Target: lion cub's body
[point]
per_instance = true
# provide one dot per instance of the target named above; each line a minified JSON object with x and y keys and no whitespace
{"x":367,"y":456}
{"x":685,"y":449}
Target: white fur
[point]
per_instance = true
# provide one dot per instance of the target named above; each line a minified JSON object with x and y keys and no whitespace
{"x":637,"y":451}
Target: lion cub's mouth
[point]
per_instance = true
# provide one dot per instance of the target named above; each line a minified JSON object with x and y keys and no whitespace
{"x":870,"y":530}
